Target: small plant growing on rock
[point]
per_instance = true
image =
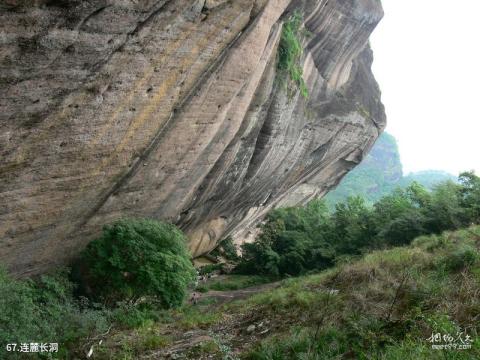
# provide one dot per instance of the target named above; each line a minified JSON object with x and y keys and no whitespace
{"x":290,"y":53}
{"x":136,"y":258}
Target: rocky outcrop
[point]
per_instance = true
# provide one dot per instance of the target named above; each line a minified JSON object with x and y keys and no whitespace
{"x":172,"y":110}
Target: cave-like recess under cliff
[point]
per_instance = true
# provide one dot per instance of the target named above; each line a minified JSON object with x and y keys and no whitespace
{"x":172,"y":110}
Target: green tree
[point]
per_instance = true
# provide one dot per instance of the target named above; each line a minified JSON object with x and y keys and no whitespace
{"x":296,"y":240}
{"x":292,"y":242}
{"x":135,"y":258}
{"x":258,"y":257}
{"x":353,"y":226}
{"x":470,"y":195}
{"x":444,"y":211}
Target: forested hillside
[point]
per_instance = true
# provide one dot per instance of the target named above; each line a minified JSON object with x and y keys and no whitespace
{"x":380,"y":173}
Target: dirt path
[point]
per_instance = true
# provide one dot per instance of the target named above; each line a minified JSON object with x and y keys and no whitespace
{"x":223,"y":297}
{"x":187,"y":340}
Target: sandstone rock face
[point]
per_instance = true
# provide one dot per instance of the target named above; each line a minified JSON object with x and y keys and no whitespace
{"x":172,"y":110}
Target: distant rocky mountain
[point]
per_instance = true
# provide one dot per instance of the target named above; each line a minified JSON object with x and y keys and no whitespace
{"x":380,"y":173}
{"x":428,"y":178}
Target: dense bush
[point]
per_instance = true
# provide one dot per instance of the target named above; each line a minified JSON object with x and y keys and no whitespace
{"x":136,"y":258}
{"x":227,"y":249}
{"x":210,"y":268}
{"x":297,"y":240}
{"x":293,"y":241}
{"x":45,"y":311}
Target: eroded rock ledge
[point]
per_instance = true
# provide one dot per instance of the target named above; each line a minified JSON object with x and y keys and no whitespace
{"x":172,"y":110}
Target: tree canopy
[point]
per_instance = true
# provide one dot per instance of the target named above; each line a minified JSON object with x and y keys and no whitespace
{"x":135,"y":258}
{"x":297,"y":240}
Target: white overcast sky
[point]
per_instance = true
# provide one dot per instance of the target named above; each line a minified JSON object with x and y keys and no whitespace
{"x":427,"y":62}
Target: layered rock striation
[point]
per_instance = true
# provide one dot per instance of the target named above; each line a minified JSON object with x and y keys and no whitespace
{"x":172,"y":110}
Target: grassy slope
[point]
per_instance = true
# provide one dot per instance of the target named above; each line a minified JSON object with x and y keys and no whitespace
{"x":383,"y":306}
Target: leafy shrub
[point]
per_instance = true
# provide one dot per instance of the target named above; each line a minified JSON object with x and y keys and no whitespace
{"x":46,"y":311}
{"x":230,"y":250}
{"x":227,"y":249}
{"x":136,"y":258}
{"x":207,"y":269}
{"x":291,"y":51}
{"x":293,"y":241}
{"x":129,"y":316}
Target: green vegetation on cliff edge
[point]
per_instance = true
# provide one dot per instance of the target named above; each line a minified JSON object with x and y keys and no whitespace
{"x":290,"y":51}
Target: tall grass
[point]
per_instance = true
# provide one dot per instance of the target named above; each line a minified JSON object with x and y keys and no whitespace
{"x":384,"y":306}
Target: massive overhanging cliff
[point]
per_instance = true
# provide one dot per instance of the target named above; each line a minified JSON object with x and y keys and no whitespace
{"x":172,"y":110}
